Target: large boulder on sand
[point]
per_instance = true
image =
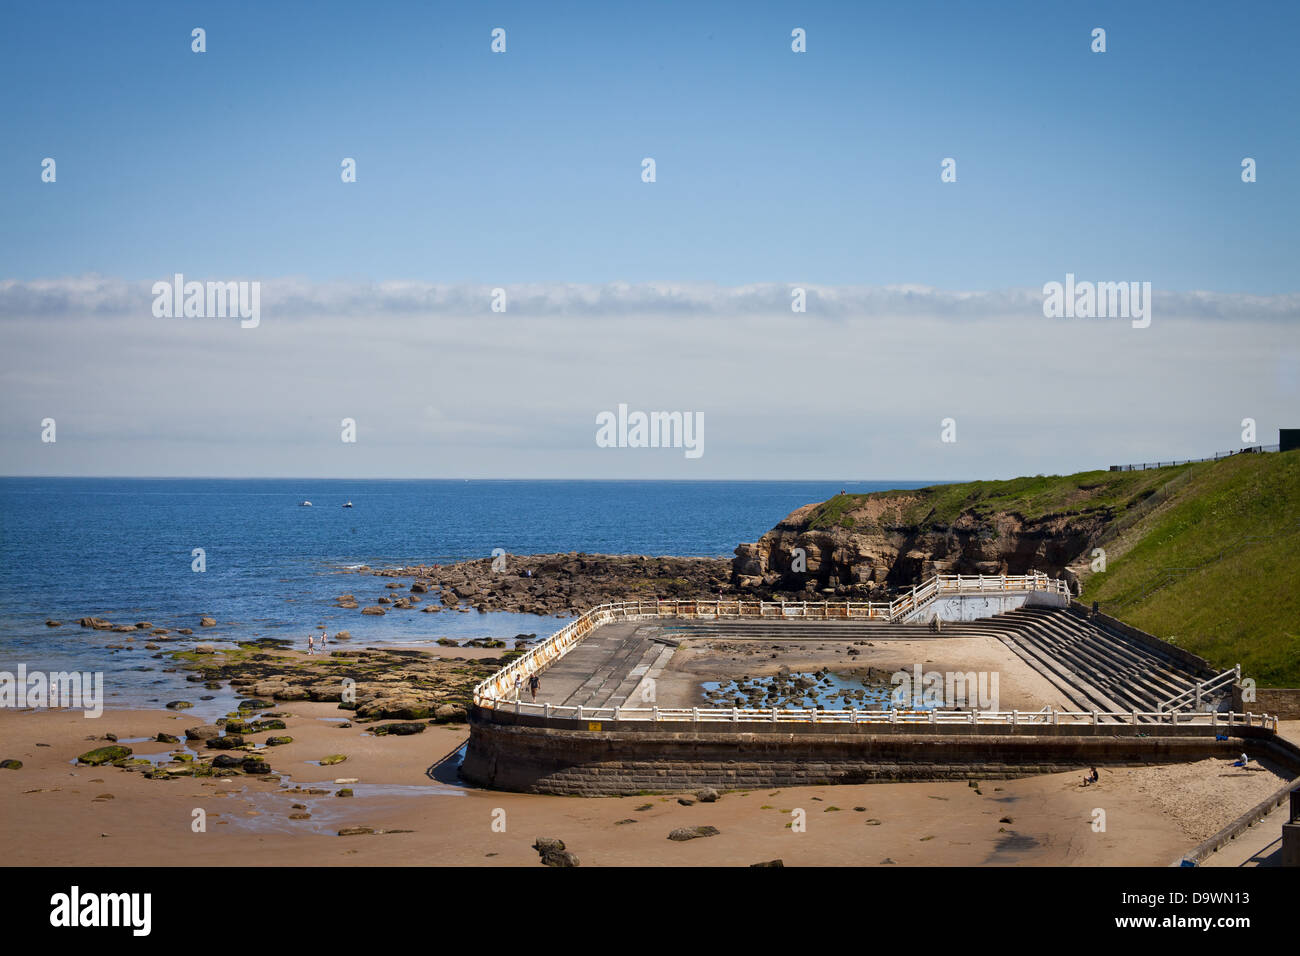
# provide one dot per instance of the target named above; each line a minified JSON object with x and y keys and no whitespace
{"x":692,"y":833}
{"x":449,"y":713}
{"x":396,"y":708}
{"x":103,"y":755}
{"x":553,"y":853}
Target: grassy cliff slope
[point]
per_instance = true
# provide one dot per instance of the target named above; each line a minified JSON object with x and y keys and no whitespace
{"x":1214,"y":568}
{"x":1206,"y":556}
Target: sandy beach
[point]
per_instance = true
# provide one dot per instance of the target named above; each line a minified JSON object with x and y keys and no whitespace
{"x":54,"y":813}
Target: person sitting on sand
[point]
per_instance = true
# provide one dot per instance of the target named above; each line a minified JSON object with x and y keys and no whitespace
{"x":533,"y":683}
{"x":1094,"y":776}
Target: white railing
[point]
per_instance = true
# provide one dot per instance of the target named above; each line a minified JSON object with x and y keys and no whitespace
{"x":1196,"y":693}
{"x":499,"y":689}
{"x":1211,"y":722}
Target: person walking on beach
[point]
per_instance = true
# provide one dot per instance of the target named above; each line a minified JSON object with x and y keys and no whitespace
{"x":533,"y":683}
{"x":322,"y":642}
{"x":311,"y":643}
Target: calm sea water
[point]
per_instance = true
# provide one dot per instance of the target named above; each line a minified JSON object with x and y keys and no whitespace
{"x":122,"y":549}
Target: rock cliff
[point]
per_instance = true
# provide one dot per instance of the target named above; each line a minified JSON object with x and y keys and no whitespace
{"x":859,"y":544}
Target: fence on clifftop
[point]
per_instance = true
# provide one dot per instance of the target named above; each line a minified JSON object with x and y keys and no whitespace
{"x":1144,"y":466}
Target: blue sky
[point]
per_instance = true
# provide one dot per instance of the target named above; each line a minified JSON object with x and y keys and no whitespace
{"x":772,"y":167}
{"x":523,"y":171}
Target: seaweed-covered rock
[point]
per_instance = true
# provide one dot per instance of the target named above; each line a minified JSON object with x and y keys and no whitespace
{"x":278,"y":741}
{"x":693,"y":833}
{"x":102,"y":755}
{"x":398,"y":730}
{"x":395,"y":708}
{"x":553,"y":853}
{"x":450,"y":714}
{"x":11,"y":764}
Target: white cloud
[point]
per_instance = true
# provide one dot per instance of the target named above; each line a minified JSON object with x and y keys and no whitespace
{"x":441,"y":386}
{"x":288,"y":298}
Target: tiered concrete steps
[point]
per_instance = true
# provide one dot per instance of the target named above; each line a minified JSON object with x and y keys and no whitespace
{"x":1096,"y":668}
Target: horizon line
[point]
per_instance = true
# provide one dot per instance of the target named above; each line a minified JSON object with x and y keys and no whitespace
{"x":301,"y":478}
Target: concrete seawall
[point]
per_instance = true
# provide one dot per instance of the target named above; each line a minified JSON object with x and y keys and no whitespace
{"x":1284,"y":702}
{"x":522,"y":753}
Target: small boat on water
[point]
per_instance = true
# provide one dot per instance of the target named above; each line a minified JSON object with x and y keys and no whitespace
{"x":348,"y":505}
{"x":305,"y":504}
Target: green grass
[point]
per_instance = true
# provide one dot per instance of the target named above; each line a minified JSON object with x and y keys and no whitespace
{"x":1212,"y":568}
{"x":1105,"y":493}
{"x":1215,"y":570}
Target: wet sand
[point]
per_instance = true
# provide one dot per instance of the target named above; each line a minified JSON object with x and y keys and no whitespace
{"x":54,"y":813}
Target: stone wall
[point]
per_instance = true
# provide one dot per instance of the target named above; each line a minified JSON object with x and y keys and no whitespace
{"x":974,"y":607}
{"x":521,"y":753}
{"x":1282,"y":702}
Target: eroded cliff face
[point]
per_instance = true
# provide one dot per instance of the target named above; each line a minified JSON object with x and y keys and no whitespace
{"x":865,"y":551}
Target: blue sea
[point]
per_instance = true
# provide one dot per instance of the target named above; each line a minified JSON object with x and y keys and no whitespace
{"x":122,"y":549}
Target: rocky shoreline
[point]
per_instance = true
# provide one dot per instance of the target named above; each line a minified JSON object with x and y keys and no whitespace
{"x":371,"y":683}
{"x":554,"y":584}
{"x":391,"y":692}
